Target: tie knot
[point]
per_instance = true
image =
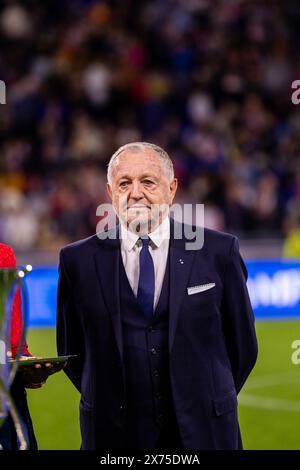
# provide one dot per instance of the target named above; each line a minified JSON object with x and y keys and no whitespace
{"x":145,"y":240}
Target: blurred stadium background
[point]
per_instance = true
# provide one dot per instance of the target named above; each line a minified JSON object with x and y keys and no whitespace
{"x":210,"y":81}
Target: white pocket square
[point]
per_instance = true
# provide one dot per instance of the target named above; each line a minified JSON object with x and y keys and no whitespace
{"x":201,"y":288}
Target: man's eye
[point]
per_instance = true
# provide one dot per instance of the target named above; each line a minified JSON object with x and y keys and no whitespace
{"x":148,"y":182}
{"x":123,"y":184}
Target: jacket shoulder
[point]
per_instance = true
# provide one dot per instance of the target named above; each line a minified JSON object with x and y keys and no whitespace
{"x":79,"y":247}
{"x":222,"y":243}
{"x":89,"y":245}
{"x":216,"y":236}
{"x":210,"y":236}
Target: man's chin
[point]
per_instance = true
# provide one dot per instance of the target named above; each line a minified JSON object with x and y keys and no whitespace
{"x":140,"y":225}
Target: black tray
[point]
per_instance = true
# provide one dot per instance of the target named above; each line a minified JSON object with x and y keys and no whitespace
{"x":35,"y":375}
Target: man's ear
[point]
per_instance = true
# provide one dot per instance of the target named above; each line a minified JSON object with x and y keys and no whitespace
{"x":109,"y":190}
{"x":173,"y":189}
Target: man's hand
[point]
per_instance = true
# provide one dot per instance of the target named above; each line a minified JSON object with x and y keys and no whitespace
{"x":37,"y":366}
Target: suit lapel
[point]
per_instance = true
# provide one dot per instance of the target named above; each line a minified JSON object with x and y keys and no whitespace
{"x":107,"y":260}
{"x":181,"y":261}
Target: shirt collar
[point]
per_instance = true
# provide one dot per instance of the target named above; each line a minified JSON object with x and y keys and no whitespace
{"x":161,"y":233}
{"x":128,"y":238}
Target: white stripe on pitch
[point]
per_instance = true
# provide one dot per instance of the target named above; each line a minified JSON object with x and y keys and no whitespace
{"x":269,"y":403}
{"x":273,"y":379}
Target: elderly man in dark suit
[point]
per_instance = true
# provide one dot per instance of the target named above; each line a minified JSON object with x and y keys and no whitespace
{"x":164,"y":335}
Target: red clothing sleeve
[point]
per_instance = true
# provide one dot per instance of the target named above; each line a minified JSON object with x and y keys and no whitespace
{"x":8,"y":260}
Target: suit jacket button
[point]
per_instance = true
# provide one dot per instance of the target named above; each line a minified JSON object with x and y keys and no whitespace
{"x":153,"y":351}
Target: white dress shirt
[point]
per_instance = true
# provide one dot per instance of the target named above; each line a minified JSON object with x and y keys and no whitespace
{"x":158,"y":248}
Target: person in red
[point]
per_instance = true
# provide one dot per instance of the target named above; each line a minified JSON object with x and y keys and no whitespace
{"x":8,"y":438}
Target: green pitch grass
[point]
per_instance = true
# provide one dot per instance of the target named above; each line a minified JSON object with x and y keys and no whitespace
{"x":269,"y":405}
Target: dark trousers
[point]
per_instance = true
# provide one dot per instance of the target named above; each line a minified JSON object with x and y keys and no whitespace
{"x":139,"y":437}
{"x":169,"y":438}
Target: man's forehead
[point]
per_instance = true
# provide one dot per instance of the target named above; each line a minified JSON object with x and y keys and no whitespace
{"x":141,"y":159}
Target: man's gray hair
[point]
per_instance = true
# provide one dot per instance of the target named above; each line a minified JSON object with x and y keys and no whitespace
{"x":141,"y":147}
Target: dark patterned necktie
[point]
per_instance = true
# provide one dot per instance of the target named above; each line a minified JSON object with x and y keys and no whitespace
{"x":145,"y":294}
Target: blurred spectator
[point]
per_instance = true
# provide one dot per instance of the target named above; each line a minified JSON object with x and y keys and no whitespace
{"x":208,"y":81}
{"x":17,"y":221}
{"x":291,"y":246}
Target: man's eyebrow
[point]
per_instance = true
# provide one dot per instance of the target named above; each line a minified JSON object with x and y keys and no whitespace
{"x":123,"y":177}
{"x":147,"y":175}
{"x":144,"y":175}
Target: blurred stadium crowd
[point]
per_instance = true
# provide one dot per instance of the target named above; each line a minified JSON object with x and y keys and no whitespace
{"x":209,"y":81}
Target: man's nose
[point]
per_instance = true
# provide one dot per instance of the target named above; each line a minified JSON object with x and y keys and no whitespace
{"x":136,"y":190}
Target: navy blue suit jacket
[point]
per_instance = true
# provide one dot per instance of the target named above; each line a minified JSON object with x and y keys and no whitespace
{"x":212,"y":341}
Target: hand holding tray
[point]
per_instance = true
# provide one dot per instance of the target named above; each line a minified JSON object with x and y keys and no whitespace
{"x":35,"y":370}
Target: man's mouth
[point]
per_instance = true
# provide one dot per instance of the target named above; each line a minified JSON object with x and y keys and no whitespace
{"x":138,"y":207}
